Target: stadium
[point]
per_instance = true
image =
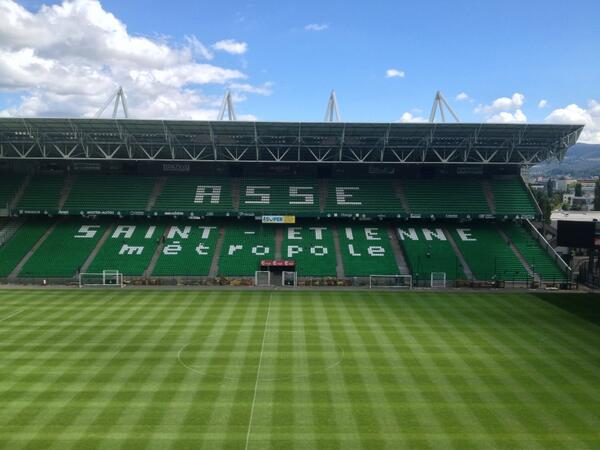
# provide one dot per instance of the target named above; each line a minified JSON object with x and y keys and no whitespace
{"x":227,"y":284}
{"x":229,"y":202}
{"x":212,"y":266}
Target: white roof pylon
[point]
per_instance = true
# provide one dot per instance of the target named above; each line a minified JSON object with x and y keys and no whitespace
{"x":118,"y":95}
{"x":227,"y":104}
{"x":332,"y":114}
{"x":440,"y":102}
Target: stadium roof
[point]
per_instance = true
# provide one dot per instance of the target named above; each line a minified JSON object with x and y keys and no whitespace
{"x":323,"y":142}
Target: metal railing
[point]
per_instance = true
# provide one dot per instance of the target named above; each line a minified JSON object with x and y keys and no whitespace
{"x":551,"y":252}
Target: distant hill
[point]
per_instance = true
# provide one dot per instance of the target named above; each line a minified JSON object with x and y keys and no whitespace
{"x":582,"y":160}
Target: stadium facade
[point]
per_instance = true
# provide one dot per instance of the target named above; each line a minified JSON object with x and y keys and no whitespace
{"x":190,"y":201}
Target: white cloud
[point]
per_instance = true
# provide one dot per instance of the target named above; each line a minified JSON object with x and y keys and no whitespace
{"x":316,"y":27}
{"x":508,"y":117}
{"x":504,"y":110}
{"x":574,"y":114}
{"x":394,"y":73}
{"x":462,"y":97}
{"x":504,"y":103}
{"x":231,"y":46}
{"x":408,"y":117}
{"x":543,"y":103}
{"x":66,"y":59}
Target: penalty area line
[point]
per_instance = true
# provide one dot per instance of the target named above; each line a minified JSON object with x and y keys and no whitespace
{"x":258,"y":374}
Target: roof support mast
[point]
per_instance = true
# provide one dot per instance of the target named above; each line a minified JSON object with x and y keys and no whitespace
{"x":227,"y":104}
{"x":332,"y":114}
{"x":117,"y":96}
{"x":440,"y":102}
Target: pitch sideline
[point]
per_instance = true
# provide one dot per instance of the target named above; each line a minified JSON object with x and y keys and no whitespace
{"x":258,"y":373}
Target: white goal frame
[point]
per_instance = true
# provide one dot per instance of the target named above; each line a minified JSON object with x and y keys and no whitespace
{"x":293,"y":277}
{"x":258,"y":282}
{"x":438,"y":280}
{"x":106,"y":278}
{"x":398,"y":281}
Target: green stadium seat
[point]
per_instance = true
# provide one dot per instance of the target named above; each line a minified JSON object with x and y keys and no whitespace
{"x":366,"y":250}
{"x":511,"y":197}
{"x":537,"y":257}
{"x":445,"y":196}
{"x":362,"y":196}
{"x":279,"y":196}
{"x":195,"y":194}
{"x":488,"y":255}
{"x":42,"y":194}
{"x":64,"y":251}
{"x":427,"y":250}
{"x":244,"y":245}
{"x":128,"y":249}
{"x":13,"y":251}
{"x":9,"y":185}
{"x":188,"y":250}
{"x":117,"y":193}
{"x":311,"y":246}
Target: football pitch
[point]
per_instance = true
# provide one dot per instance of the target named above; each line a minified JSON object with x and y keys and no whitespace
{"x":168,"y":369}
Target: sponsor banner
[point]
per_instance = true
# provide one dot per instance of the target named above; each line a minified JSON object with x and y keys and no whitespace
{"x":176,"y":167}
{"x":79,"y":166}
{"x":278,"y":219}
{"x":277,"y":263}
{"x":99,"y":213}
{"x":469,"y":170}
{"x":382,"y":170}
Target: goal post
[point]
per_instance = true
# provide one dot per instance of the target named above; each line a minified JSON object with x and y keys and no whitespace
{"x":438,"y":279}
{"x":106,"y":278}
{"x":262,"y":278}
{"x":390,"y":281}
{"x":289,"y":278}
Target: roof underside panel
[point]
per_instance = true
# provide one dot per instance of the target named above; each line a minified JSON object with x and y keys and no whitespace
{"x":319,"y":142}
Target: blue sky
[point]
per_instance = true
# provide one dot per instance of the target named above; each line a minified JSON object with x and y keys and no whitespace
{"x":488,"y":50}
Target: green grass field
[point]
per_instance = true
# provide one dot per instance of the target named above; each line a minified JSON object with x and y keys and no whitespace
{"x":127,"y":369}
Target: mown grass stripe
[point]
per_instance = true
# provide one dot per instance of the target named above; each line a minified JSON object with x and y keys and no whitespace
{"x":549,"y":380}
{"x":109,"y":414}
{"x":36,"y":373}
{"x":70,"y":416}
{"x":99,"y":369}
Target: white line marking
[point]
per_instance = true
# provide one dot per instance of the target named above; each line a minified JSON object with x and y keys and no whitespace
{"x":11,"y":315}
{"x":258,"y":373}
{"x":339,"y":348}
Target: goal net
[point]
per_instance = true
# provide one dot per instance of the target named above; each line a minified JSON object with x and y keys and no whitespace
{"x":106,"y":278}
{"x":390,"y":281}
{"x":288,"y":279}
{"x":262,"y":278}
{"x":438,"y":279}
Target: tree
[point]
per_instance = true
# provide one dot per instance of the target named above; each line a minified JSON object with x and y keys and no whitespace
{"x":544,"y":202}
{"x":550,"y":187}
{"x":578,"y":190}
{"x":597,"y":196}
